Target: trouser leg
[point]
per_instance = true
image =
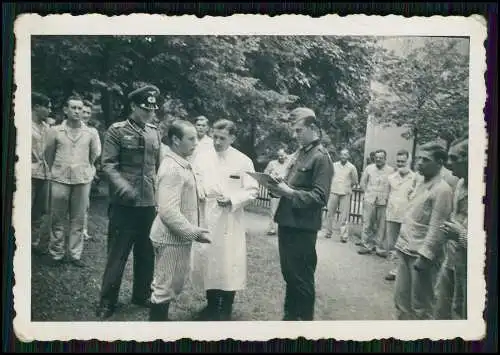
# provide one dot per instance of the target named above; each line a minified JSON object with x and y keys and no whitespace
{"x":344,"y":205}
{"x":392,"y":233}
{"x":422,"y":291}
{"x":86,"y":223}
{"x":78,"y":207}
{"x":367,"y":237}
{"x":380,"y":226}
{"x":122,"y":220}
{"x":60,"y":205}
{"x":444,"y":294}
{"x":274,"y":202}
{"x":285,"y":244}
{"x":112,"y":229}
{"x":227,"y":304}
{"x":143,"y":255}
{"x":460,"y":291}
{"x":331,"y":215}
{"x":298,"y":258}
{"x":402,"y":288}
{"x":171,"y":268}
{"x":39,"y":210}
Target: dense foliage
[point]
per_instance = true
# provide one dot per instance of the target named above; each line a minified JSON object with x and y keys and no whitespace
{"x":428,"y":90}
{"x":253,"y":80}
{"x":256,"y":80}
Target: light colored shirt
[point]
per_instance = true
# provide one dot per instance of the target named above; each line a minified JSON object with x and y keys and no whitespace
{"x":344,"y":177}
{"x":71,"y":157}
{"x":429,"y":207}
{"x":276,"y":168}
{"x":375,"y":184}
{"x":205,"y":143}
{"x":204,"y":148}
{"x":400,"y":188}
{"x":177,"y":219}
{"x":39,"y":168}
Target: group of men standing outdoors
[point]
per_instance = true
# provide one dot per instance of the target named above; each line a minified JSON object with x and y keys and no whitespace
{"x":62,"y":168}
{"x":416,"y":219}
{"x":178,"y":197}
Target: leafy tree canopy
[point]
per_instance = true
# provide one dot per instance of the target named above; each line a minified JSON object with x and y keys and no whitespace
{"x":253,"y":80}
{"x":426,"y":90}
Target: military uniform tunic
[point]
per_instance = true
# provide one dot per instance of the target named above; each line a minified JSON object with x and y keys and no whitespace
{"x":299,"y":219}
{"x":130,"y":160}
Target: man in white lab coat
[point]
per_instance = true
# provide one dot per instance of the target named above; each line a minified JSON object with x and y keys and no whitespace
{"x":221,"y":267}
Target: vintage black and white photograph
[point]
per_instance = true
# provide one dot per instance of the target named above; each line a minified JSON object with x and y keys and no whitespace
{"x":301,"y":180}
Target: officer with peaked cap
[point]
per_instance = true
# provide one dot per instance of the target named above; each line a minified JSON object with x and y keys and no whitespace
{"x":130,"y":159}
{"x":304,"y":192}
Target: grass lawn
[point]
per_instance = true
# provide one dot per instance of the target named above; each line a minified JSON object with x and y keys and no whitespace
{"x":348,"y":286}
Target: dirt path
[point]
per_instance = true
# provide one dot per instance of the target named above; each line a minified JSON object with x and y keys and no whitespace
{"x":348,"y":286}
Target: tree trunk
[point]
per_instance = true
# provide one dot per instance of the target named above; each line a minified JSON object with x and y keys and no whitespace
{"x":448,"y":143}
{"x":253,"y":132}
{"x":107,"y":104}
{"x":414,"y":148}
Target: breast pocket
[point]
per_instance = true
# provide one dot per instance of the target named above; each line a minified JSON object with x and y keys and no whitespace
{"x":303,"y":177}
{"x":132,"y":150}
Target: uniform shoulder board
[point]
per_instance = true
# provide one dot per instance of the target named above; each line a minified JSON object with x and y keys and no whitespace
{"x":324,"y":151}
{"x":118,"y":124}
{"x":152,"y":125}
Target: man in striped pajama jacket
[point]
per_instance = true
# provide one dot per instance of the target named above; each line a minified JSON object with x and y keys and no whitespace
{"x":176,"y":224}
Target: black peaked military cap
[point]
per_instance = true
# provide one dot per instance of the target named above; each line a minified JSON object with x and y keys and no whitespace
{"x":145,"y":97}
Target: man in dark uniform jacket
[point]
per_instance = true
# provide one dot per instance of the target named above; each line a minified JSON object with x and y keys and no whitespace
{"x":130,"y":160}
{"x":304,"y":192}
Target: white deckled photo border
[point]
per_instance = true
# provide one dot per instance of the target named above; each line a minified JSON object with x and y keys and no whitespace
{"x":474,"y":27}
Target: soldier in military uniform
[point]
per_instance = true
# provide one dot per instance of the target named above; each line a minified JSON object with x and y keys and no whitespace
{"x":130,"y":160}
{"x":304,"y":192}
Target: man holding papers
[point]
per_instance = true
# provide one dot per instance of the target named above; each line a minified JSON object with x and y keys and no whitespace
{"x":220,"y":267}
{"x":304,"y":192}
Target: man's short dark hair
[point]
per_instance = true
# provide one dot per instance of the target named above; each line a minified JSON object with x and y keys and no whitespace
{"x":437,"y":151}
{"x":176,"y":129}
{"x":463,"y":144}
{"x":380,"y":151}
{"x":87,"y":103}
{"x":73,"y":97}
{"x":225,"y":124}
{"x":403,"y":152}
{"x":201,"y":118}
{"x":39,"y":99}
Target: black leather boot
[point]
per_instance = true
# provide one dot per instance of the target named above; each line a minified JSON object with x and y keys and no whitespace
{"x":207,"y":313}
{"x":158,"y":312}
{"x":227,"y":305}
{"x":217,"y":313}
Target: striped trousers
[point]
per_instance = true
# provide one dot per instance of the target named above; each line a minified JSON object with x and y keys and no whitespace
{"x":171,"y":269}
